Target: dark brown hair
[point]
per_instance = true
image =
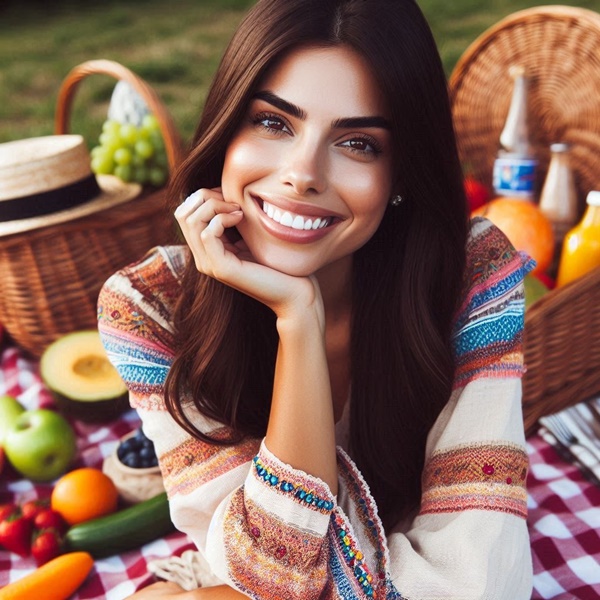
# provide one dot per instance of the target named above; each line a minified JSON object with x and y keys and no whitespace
{"x":407,"y":278}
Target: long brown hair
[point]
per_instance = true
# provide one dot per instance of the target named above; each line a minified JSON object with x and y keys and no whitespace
{"x":407,"y":278}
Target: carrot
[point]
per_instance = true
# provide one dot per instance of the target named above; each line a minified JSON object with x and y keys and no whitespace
{"x":58,"y":579}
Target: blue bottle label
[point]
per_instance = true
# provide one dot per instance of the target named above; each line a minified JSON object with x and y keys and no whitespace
{"x":515,"y":176}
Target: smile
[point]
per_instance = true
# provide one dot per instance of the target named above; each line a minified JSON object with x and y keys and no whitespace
{"x":294,"y":221}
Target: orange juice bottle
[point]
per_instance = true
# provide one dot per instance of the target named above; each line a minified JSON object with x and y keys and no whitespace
{"x":581,"y":247}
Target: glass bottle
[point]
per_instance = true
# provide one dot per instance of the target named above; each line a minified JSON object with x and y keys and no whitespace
{"x":581,"y":246}
{"x":515,"y":167}
{"x":558,"y":200}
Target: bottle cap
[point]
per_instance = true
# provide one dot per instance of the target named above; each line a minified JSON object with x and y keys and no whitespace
{"x":559,"y":147}
{"x":593,"y":198}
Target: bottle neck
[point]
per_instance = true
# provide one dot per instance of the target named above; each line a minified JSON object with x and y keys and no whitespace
{"x":591,"y":216}
{"x":515,"y":135}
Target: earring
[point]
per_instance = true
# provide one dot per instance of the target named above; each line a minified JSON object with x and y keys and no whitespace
{"x":396,"y":200}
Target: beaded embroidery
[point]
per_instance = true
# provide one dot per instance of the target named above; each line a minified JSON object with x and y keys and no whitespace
{"x":294,"y":489}
{"x":367,"y":509}
{"x":353,"y":557}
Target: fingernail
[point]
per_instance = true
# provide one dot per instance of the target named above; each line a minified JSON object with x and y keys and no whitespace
{"x":191,"y":199}
{"x":236,"y":212}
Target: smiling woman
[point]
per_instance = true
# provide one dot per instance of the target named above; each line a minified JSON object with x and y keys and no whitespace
{"x":311,"y":164}
{"x":329,"y":367}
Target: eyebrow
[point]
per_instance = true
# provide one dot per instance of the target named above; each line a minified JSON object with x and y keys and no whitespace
{"x":345,"y":123}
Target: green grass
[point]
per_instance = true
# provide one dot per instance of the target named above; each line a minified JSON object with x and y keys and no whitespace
{"x":175,"y":46}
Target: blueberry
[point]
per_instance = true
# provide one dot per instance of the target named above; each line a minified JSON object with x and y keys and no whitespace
{"x":140,"y":434}
{"x":132,"y":460}
{"x":146,"y":453}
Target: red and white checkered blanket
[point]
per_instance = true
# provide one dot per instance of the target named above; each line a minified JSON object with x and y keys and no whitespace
{"x":564,"y":508}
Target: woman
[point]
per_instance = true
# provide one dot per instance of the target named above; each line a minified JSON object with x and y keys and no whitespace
{"x":330,"y":293}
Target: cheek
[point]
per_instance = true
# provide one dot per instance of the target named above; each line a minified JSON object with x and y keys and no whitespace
{"x":368,"y":192}
{"x":245,"y":161}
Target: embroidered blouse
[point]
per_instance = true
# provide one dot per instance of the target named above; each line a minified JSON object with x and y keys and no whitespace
{"x":274,"y":532}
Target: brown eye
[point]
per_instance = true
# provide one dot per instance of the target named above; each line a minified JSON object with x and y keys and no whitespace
{"x":358,"y":145}
{"x":362,"y":145}
{"x":271,"y":123}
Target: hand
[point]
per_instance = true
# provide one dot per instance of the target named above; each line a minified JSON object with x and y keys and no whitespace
{"x":163,"y":589}
{"x":204,"y":218}
{"x":167,"y":590}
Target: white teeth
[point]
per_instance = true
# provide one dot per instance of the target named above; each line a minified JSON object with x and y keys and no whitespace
{"x":288,"y":219}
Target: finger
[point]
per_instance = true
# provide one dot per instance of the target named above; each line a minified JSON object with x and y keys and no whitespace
{"x":208,"y":210}
{"x":195,"y":200}
{"x":219,"y":223}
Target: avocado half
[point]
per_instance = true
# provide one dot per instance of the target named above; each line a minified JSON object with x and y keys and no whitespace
{"x":82,"y":381}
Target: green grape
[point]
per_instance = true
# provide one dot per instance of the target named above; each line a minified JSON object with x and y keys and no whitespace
{"x":111,"y":127}
{"x":161,"y":159}
{"x":137,"y":160}
{"x":156,"y":139}
{"x":102,"y":163}
{"x":123,"y":156}
{"x":96,"y":150}
{"x":128,"y":134}
{"x":110,"y":142}
{"x":157,"y":176}
{"x":124,"y":172}
{"x":140,"y":174}
{"x":150,"y":123}
{"x":144,"y":148}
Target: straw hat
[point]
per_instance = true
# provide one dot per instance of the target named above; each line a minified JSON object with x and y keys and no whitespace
{"x":48,"y":180}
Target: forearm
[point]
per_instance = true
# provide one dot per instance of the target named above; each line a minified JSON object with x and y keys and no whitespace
{"x":219,"y":592}
{"x":301,"y":424}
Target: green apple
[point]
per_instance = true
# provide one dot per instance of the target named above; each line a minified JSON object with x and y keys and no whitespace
{"x":10,"y":409}
{"x":534,"y":289}
{"x":41,"y":444}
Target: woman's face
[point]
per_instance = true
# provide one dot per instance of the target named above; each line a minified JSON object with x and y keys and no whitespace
{"x":311,"y":164}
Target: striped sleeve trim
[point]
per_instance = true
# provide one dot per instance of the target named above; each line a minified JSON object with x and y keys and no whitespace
{"x":485,"y":476}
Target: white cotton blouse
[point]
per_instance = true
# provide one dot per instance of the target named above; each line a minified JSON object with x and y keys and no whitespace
{"x":273,"y":532}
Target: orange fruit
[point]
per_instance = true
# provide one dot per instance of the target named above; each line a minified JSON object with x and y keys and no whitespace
{"x":525,"y":225}
{"x":84,"y":494}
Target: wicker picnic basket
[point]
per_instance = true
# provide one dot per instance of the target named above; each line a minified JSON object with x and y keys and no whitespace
{"x":51,"y":276}
{"x":560,"y":48}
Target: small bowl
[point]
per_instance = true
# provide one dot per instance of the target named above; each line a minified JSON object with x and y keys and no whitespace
{"x":134,"y":485}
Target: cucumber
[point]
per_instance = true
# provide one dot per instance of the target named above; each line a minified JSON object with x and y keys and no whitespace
{"x":123,"y":530}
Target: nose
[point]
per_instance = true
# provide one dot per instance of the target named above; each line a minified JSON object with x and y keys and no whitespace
{"x":304,"y":168}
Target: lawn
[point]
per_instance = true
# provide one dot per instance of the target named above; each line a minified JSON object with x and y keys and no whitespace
{"x":175,"y":46}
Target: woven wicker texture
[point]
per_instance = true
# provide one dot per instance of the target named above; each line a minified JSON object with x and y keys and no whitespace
{"x":562,"y":349}
{"x":560,"y":48}
{"x":51,"y":276}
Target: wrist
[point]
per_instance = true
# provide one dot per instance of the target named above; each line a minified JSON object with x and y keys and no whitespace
{"x":301,"y":321}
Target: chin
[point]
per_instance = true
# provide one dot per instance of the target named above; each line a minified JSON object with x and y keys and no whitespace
{"x":290,"y":263}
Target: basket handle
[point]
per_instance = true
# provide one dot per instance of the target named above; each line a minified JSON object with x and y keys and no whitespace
{"x":66,"y":93}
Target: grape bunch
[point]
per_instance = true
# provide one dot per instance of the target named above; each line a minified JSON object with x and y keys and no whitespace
{"x":132,"y":153}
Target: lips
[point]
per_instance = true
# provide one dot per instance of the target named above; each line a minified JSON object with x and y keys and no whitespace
{"x":293,"y":220}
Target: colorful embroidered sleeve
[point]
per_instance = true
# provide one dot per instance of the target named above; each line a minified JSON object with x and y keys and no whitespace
{"x":470,"y":538}
{"x":260,"y":524}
